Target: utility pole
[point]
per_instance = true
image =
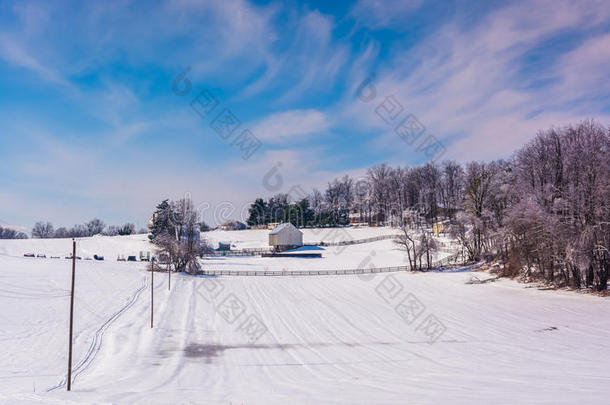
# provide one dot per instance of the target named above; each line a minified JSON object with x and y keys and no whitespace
{"x":152,"y":294}
{"x":169,"y":277}
{"x":69,"y":385}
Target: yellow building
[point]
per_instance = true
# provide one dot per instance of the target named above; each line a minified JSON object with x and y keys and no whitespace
{"x":437,"y":228}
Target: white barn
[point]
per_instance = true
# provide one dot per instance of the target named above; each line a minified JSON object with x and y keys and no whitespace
{"x":285,"y":236}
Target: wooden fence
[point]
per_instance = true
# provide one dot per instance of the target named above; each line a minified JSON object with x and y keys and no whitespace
{"x":259,"y":251}
{"x":355,"y":241}
{"x":437,"y":265}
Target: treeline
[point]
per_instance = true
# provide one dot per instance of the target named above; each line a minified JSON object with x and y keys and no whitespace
{"x":385,"y":196}
{"x":45,"y":230}
{"x":545,"y":211}
{"x":7,"y":233}
{"x":280,"y":209}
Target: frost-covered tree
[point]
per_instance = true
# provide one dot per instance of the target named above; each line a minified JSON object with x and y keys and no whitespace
{"x":406,"y":241}
{"x":43,"y":230}
{"x":176,"y":234}
{"x":545,"y":211}
{"x":112,"y":230}
{"x":61,"y":232}
{"x":558,"y":226}
{"x":95,"y":227}
{"x":8,"y":233}
{"x":451,"y":187}
{"x":428,"y":246}
{"x":339,"y":200}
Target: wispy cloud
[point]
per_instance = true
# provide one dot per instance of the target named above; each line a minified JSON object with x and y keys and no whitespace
{"x":290,"y":125}
{"x":473,"y":85}
{"x":384,"y":13}
{"x":16,"y":54}
{"x":87,"y":90}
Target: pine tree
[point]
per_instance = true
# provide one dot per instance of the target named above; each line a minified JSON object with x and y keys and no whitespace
{"x":258,"y":213}
{"x":161,"y":221}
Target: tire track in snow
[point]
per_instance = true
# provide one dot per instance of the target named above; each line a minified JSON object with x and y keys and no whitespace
{"x":169,"y":316}
{"x":96,"y":343}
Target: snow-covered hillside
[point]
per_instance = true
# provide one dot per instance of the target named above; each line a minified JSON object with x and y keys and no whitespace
{"x":108,"y":246}
{"x":252,"y":238}
{"x":322,"y":339}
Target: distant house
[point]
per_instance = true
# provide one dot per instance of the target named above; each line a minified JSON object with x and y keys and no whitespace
{"x":357,"y":219}
{"x":439,"y":227}
{"x":285,"y":236}
{"x":233,"y":226}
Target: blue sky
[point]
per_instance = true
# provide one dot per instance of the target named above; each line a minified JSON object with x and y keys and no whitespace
{"x":90,"y":126}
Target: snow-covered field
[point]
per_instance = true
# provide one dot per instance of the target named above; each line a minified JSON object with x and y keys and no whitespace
{"x":375,"y":254}
{"x":259,"y":238}
{"x":109,"y":247}
{"x":383,"y":253}
{"x":323,"y":339}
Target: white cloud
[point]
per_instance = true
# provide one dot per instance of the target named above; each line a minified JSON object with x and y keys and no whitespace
{"x":307,"y":60}
{"x":383,"y":13}
{"x":16,"y":54}
{"x":583,"y":72}
{"x":288,"y":125}
{"x":467,"y":82}
{"x":464,"y":82}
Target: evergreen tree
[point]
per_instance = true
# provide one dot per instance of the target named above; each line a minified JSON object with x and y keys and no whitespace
{"x":258,"y":213}
{"x":162,"y":221}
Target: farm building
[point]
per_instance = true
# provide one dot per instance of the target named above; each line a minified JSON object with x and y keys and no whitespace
{"x":285,"y":236}
{"x":439,"y":227}
{"x":233,"y":226}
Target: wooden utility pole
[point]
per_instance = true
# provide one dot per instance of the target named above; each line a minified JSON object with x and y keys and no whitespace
{"x":169,"y":277}
{"x":69,"y":385}
{"x":152,"y":294}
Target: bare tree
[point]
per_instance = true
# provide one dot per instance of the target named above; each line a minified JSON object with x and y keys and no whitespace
{"x":451,"y":189}
{"x":379,"y":179}
{"x":556,"y":223}
{"x":407,"y":242}
{"x":61,"y":232}
{"x":8,"y":233}
{"x":427,"y":247}
{"x":177,"y":235}
{"x":95,"y":227}
{"x":112,"y":230}
{"x":43,"y":230}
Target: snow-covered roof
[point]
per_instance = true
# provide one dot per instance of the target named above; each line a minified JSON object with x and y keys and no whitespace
{"x":282,"y":227}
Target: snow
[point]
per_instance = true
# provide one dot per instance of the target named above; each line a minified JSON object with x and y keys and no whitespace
{"x":329,"y":339}
{"x":375,"y":254}
{"x":383,"y":253}
{"x":252,"y":238}
{"x":109,"y":247}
